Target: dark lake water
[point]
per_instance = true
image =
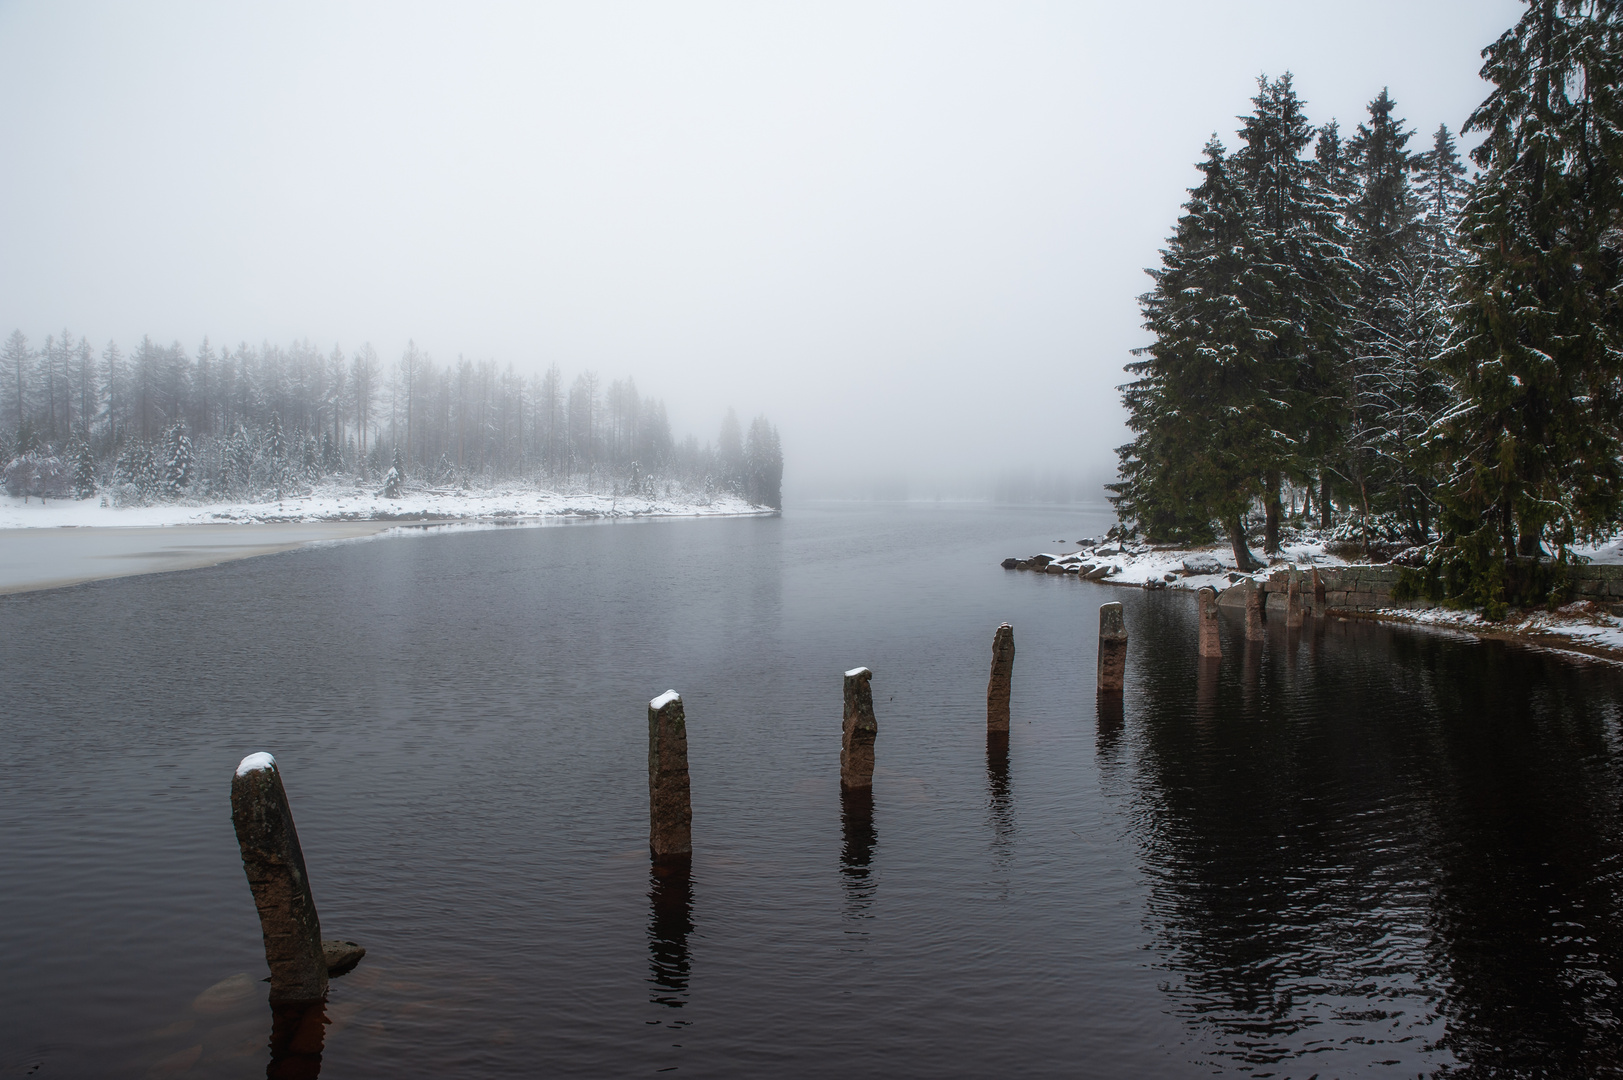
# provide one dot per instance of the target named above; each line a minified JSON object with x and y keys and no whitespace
{"x":1349,"y":851}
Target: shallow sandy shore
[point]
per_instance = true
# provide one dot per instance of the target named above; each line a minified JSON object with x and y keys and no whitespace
{"x":50,"y":558}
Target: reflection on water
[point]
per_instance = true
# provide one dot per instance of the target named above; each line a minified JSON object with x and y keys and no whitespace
{"x":999,"y":798}
{"x":859,"y":837}
{"x":297,"y":1035}
{"x":670,"y":921}
{"x":1375,"y":861}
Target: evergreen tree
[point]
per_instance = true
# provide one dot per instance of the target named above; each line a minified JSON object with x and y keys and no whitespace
{"x":394,"y":477}
{"x":178,"y":461}
{"x":1207,"y":419}
{"x":276,"y":448}
{"x":1302,"y":253}
{"x":1385,"y":242}
{"x":16,"y":358}
{"x":84,"y":471}
{"x":1441,"y":179}
{"x":1535,"y":348}
{"x":763,"y":465}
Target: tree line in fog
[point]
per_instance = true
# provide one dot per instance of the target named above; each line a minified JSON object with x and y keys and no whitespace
{"x":164,"y":422}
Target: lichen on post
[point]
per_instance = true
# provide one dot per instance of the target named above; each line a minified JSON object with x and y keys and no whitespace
{"x":858,"y":731}
{"x":1000,"y":683}
{"x":670,"y":807}
{"x":274,"y":862}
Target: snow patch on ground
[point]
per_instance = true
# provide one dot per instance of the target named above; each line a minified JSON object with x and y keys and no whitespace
{"x":338,"y":502}
{"x":1580,"y":623}
{"x":1607,"y":554}
{"x":1186,"y":568}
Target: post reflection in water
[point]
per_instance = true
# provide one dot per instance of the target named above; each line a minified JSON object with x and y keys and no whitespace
{"x":298,"y":1035}
{"x":859,"y":838}
{"x":999,"y":796}
{"x":1112,"y":721}
{"x":670,"y":921}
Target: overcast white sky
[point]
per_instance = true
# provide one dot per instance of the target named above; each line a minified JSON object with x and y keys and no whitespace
{"x":911,"y":234}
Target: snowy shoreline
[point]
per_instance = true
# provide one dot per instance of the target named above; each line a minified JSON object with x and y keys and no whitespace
{"x":1583,"y":627}
{"x":337,"y":503}
{"x":66,"y":542}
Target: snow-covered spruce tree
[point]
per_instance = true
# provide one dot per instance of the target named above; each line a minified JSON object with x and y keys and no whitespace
{"x":1536,"y":348}
{"x":276,"y":455}
{"x":84,"y":471}
{"x":394,"y":477}
{"x":179,"y":462}
{"x":1302,"y":254}
{"x":1205,"y":414}
{"x":1385,"y":243}
{"x":239,"y":463}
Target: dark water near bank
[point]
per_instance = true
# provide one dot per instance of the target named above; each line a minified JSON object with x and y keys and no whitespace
{"x":1352,"y":851}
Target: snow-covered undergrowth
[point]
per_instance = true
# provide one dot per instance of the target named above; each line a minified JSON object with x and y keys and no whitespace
{"x":346,"y":502}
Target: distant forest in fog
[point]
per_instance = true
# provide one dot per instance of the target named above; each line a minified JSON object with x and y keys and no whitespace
{"x":164,"y":423}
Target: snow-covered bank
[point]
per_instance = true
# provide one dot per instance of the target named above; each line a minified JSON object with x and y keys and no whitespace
{"x":1583,"y":626}
{"x":348,"y":503}
{"x":1586,"y":625}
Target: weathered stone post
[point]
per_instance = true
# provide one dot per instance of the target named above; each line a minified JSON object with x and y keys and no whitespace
{"x":1293,"y":598}
{"x":1112,"y":677}
{"x":1001,"y":680}
{"x":858,"y":732}
{"x":670,"y":807}
{"x":281,"y":887}
{"x":1318,"y":594}
{"x":1211,"y":644}
{"x":1253,"y":612}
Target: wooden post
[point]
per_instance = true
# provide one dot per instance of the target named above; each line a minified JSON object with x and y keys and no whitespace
{"x":1293,"y":598}
{"x":858,"y":731}
{"x":1211,"y":643}
{"x":1001,"y":680}
{"x":670,"y":808}
{"x":1112,"y":677}
{"x":1253,"y":612}
{"x":1318,"y":594}
{"x":274,"y":862}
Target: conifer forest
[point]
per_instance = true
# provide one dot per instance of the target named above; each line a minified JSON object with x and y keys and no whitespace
{"x":1354,"y":331}
{"x":167,"y":423}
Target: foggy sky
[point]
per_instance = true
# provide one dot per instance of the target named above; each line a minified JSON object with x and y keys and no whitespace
{"x":911,"y":234}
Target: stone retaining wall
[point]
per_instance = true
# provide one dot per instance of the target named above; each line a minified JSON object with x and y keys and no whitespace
{"x":1369,"y":588}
